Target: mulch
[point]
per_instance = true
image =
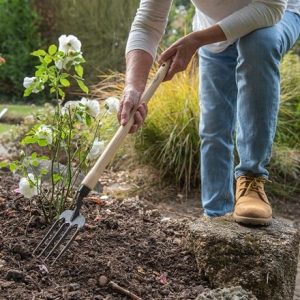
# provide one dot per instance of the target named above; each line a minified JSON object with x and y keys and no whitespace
{"x":125,"y":244}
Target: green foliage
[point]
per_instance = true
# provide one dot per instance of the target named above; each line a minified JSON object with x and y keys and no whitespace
{"x":288,"y":133}
{"x":18,"y":37}
{"x":101,"y":25}
{"x":63,"y":134}
{"x":179,"y":22}
{"x":169,"y":138}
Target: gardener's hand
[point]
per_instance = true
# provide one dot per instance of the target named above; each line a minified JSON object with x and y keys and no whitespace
{"x":180,"y":53}
{"x":131,"y":101}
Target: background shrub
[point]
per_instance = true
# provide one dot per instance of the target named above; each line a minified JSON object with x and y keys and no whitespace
{"x":101,"y":25}
{"x":169,"y":139}
{"x":19,"y":36}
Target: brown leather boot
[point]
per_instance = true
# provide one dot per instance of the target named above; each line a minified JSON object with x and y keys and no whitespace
{"x":252,"y":205}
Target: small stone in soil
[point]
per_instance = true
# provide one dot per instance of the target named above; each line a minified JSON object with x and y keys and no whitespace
{"x":15,"y":275}
{"x":2,"y":263}
{"x":165,"y":292}
{"x":102,"y":280}
{"x":92,"y":282}
{"x":74,"y":286}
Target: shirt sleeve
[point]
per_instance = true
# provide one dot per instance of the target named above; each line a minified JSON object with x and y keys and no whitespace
{"x":257,"y":14}
{"x":148,"y":26}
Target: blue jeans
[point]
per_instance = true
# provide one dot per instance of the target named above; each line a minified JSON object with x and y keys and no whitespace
{"x":239,"y":93}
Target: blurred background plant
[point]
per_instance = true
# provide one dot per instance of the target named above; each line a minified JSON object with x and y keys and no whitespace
{"x":101,"y":25}
{"x":19,"y":28}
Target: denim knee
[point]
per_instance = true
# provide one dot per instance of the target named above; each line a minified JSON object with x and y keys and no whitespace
{"x":260,"y":46}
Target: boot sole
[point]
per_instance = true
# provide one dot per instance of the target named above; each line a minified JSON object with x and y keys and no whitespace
{"x":252,"y":221}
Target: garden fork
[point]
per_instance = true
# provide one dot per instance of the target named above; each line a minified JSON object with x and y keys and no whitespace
{"x":70,"y":222}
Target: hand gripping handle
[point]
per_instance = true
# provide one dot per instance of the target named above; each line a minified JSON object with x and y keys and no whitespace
{"x":93,"y":175}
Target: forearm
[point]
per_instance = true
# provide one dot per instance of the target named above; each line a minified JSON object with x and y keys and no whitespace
{"x":257,"y":14}
{"x":138,"y":64}
{"x":207,"y":36}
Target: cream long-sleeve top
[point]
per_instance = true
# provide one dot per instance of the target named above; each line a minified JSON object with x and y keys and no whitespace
{"x":236,"y":18}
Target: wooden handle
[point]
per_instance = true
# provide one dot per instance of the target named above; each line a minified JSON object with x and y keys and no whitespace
{"x":93,"y":175}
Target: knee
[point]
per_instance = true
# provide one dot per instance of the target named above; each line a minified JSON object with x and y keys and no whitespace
{"x":260,"y":46}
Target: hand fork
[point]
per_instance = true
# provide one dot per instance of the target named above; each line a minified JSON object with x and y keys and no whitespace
{"x":71,"y":220}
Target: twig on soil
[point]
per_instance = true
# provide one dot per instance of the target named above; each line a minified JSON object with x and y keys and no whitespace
{"x":118,"y":288}
{"x":27,"y":226}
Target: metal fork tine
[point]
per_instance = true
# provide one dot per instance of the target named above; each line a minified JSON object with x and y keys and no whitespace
{"x":46,"y":236}
{"x":63,"y":237}
{"x":53,"y":238}
{"x":66,"y":247}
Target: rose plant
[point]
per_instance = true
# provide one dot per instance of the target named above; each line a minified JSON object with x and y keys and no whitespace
{"x":68,"y":139}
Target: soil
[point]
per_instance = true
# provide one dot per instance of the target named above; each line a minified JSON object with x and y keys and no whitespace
{"x":134,"y":237}
{"x":124,"y":242}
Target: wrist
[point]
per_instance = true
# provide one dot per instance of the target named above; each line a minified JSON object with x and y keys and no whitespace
{"x":196,"y":39}
{"x":134,"y":87}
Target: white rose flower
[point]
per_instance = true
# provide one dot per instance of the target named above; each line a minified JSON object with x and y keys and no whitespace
{"x":92,"y":106}
{"x":44,"y":132}
{"x":69,"y":43}
{"x":25,"y":187}
{"x":112,"y":104}
{"x":28,"y":81}
{"x":96,"y":150}
{"x":70,"y":106}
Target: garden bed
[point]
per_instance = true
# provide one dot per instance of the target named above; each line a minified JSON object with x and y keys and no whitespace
{"x":124,"y":242}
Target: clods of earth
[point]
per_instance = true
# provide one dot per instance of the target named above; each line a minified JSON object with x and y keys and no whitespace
{"x":132,"y":247}
{"x":125,"y":248}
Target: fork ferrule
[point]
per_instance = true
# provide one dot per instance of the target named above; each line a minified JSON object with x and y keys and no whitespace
{"x":81,"y":193}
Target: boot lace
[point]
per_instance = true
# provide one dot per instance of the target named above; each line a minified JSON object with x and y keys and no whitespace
{"x":254,"y":184}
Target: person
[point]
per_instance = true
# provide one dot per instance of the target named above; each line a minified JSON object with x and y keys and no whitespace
{"x":240,"y":45}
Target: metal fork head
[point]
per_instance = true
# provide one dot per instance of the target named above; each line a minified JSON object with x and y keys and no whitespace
{"x":59,"y":233}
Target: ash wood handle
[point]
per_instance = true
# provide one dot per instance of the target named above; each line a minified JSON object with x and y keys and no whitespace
{"x":93,"y":175}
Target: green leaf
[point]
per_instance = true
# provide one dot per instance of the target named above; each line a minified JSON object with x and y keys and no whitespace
{"x":64,"y":75}
{"x":88,"y":120}
{"x":27,"y":92}
{"x":52,"y":90}
{"x":79,"y":70}
{"x":56,"y":177}
{"x":83,"y":87}
{"x":3,"y":164}
{"x":43,"y":157}
{"x":40,"y":72}
{"x":52,"y":49}
{"x":39,"y":53}
{"x":29,"y":140}
{"x":13,"y":167}
{"x":42,"y":142}
{"x":61,"y":93}
{"x":64,"y":82}
{"x":35,"y":163}
{"x":48,"y":59}
{"x":34,"y":155}
{"x":43,"y":171}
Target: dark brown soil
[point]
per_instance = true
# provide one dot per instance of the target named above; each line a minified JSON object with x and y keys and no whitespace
{"x":124,"y":241}
{"x":135,"y":238}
